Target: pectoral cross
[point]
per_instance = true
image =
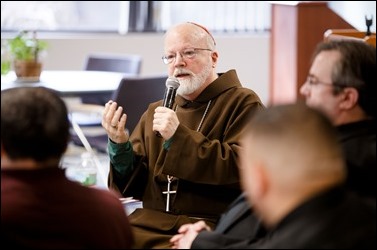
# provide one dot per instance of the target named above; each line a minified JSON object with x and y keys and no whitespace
{"x":168,"y":192}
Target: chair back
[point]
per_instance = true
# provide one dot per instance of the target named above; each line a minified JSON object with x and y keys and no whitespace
{"x":135,"y":94}
{"x":123,"y":63}
{"x":129,"y":65}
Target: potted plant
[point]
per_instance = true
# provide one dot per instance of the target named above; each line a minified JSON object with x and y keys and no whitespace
{"x":25,"y":50}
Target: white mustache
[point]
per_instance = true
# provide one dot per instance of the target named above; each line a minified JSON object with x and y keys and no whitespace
{"x":182,"y":71}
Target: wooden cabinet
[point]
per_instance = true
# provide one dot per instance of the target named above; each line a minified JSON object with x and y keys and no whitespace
{"x":295,"y":31}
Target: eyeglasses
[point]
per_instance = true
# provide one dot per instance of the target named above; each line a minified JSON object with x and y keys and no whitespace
{"x":185,"y":54}
{"x":313,"y":82}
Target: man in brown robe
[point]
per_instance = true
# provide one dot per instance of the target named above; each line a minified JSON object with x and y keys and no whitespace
{"x":190,"y":172}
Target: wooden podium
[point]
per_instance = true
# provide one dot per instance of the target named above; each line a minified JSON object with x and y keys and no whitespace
{"x":295,"y":32}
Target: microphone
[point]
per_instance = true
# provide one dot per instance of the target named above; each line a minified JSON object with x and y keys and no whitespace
{"x":172,"y":85}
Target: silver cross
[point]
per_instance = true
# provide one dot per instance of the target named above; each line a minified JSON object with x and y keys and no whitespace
{"x":168,"y":192}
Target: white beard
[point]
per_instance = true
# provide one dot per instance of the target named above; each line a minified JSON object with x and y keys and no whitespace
{"x":190,"y":85}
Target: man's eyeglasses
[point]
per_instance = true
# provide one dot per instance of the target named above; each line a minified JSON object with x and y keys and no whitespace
{"x":313,"y":82}
{"x":185,"y":54}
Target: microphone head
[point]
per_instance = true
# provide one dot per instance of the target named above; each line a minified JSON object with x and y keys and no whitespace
{"x":172,"y":82}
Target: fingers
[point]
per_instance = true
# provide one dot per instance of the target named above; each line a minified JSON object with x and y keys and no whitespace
{"x":175,"y":238}
{"x":111,"y":115}
{"x":184,"y":240}
{"x":201,"y":225}
{"x":184,"y":228}
{"x":108,"y":113}
{"x":165,"y":121}
{"x":122,"y":122}
{"x":114,"y":122}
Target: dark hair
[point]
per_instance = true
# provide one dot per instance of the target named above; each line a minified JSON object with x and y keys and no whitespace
{"x":34,"y":123}
{"x":356,"y":68}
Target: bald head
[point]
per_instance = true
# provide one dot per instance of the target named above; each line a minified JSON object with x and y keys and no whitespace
{"x":293,"y":138}
{"x":291,"y":153}
{"x":192,"y":33}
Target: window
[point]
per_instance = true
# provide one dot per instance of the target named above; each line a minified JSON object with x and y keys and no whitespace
{"x":133,"y":16}
{"x":60,"y":15}
{"x":218,"y":16}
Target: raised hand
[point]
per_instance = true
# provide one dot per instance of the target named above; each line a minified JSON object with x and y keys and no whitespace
{"x":114,"y":122}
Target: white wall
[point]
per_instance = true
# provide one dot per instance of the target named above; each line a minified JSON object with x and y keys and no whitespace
{"x":354,"y":12}
{"x":248,"y":54}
